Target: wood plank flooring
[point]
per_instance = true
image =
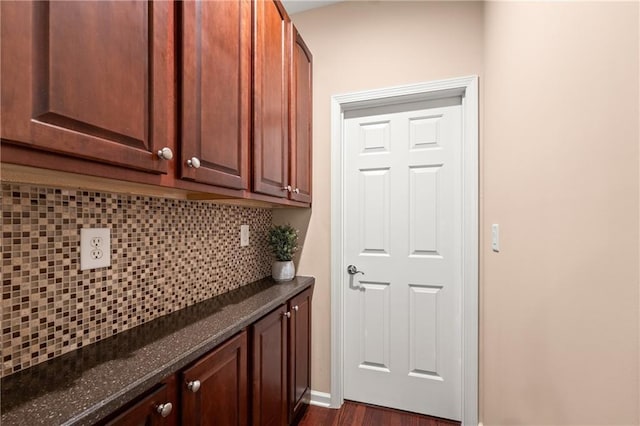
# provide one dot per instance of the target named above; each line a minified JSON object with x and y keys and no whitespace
{"x":356,"y":414}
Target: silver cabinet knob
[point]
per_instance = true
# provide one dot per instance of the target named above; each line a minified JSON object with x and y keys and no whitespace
{"x":353,"y":270}
{"x":297,"y":190}
{"x":194,"y":386}
{"x":165,"y":153}
{"x":193,"y":162}
{"x":164,"y":409}
{"x":287,"y":188}
{"x":295,"y":308}
{"x":286,"y":314}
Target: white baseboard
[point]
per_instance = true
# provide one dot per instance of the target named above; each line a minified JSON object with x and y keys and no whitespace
{"x":320,"y":399}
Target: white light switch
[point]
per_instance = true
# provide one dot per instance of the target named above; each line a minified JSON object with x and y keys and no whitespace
{"x":244,"y":235}
{"x":495,"y":237}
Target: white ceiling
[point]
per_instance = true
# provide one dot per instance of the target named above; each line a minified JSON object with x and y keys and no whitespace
{"x":295,"y":6}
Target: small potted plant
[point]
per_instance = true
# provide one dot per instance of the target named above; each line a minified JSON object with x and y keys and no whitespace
{"x":283,"y":240}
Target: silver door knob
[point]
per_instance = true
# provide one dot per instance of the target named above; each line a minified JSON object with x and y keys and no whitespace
{"x":286,"y":314}
{"x":194,"y":386}
{"x":165,"y":153}
{"x":287,"y":188}
{"x":193,"y":162}
{"x":297,"y":190}
{"x":164,"y":409}
{"x":353,"y":270}
{"x":295,"y":308}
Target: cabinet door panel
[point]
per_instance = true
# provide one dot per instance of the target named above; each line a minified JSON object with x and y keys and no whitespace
{"x":216,"y":91}
{"x":270,"y":369}
{"x":299,"y":354}
{"x":271,"y":82}
{"x":301,"y":118}
{"x":89,"y":79}
{"x":223,"y":397}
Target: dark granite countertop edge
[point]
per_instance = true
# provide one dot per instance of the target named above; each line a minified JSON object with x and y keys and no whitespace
{"x":102,"y":408}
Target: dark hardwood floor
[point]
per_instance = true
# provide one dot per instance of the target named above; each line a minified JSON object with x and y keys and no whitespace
{"x":356,"y":414}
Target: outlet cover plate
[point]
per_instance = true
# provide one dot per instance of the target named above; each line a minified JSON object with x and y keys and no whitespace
{"x":244,"y":235}
{"x":95,"y":248}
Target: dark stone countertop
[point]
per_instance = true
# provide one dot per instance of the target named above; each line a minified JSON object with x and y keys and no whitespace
{"x":86,"y":385}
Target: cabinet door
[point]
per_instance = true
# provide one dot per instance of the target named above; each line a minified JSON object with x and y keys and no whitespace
{"x":270,"y":369}
{"x":299,"y":354}
{"x":147,"y":411}
{"x":271,"y":98}
{"x":222,"y":395}
{"x":216,"y":91}
{"x":89,"y":79}
{"x":301,"y":114}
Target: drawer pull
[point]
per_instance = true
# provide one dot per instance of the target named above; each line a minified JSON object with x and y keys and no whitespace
{"x":193,"y":162}
{"x":194,"y":386}
{"x":164,"y":409}
{"x":165,"y":153}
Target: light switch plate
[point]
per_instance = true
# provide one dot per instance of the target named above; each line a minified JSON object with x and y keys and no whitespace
{"x":95,"y":248}
{"x":244,"y":235}
{"x":495,"y":237}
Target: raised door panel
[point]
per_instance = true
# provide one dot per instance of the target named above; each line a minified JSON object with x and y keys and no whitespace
{"x":271,"y":98}
{"x":216,"y":91}
{"x":270,"y":369}
{"x":223,"y":397}
{"x":299,"y":354}
{"x":89,"y":79}
{"x":146,"y":410}
{"x":301,"y":119}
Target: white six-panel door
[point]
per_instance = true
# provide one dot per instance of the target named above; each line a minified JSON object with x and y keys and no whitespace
{"x":403,"y":230}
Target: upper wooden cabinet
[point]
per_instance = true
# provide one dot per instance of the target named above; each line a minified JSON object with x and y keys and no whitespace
{"x":271,"y":98}
{"x":208,"y":98}
{"x":300,"y":119}
{"x":216,"y":92}
{"x":89,"y":79}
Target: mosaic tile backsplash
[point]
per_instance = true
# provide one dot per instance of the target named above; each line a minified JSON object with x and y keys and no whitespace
{"x":165,"y":255}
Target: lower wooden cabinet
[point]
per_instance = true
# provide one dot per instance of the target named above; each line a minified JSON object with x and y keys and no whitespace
{"x":214,"y":389}
{"x":157,"y":408}
{"x":299,"y":390}
{"x":261,"y":376}
{"x":269,"y":336}
{"x":281,"y":352}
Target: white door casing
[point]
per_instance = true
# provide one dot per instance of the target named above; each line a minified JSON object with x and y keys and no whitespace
{"x":418,"y":248}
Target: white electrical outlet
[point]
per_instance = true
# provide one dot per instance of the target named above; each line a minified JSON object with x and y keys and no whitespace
{"x":244,"y":235}
{"x":95,"y":248}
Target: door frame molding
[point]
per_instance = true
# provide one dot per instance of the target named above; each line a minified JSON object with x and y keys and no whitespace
{"x":467,"y":88}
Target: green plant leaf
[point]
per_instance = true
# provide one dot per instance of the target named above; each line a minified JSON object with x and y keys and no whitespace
{"x":283,"y":240}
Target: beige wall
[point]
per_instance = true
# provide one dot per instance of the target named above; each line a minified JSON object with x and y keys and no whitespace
{"x":559,"y":171}
{"x":359,"y":46}
{"x":560,"y":175}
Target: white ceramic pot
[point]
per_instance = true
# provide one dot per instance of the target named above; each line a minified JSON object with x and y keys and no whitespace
{"x":283,"y":270}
